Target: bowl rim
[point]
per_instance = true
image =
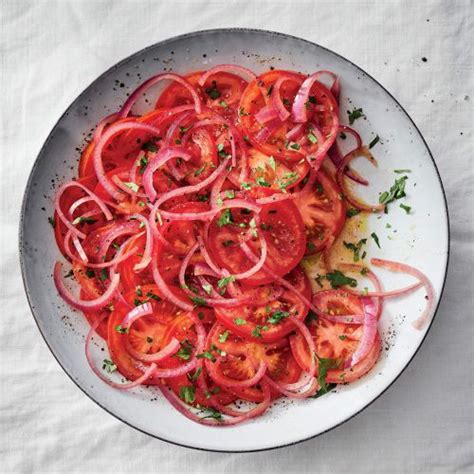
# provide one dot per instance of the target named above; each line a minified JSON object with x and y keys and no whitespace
{"x":131,"y":57}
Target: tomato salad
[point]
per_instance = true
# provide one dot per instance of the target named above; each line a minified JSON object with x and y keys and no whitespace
{"x":187,"y":229}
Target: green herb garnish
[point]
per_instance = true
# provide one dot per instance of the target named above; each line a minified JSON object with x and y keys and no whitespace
{"x":354,"y":115}
{"x":376,"y":239}
{"x":337,"y":279}
{"x":374,"y":142}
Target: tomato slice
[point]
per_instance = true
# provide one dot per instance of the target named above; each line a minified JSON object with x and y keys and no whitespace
{"x":147,"y":334}
{"x":255,"y":322}
{"x":336,"y":341}
{"x":130,"y":279}
{"x":321,"y":109}
{"x":241,"y":355}
{"x":181,"y":236}
{"x":282,"y":227}
{"x":323,"y":211}
{"x":280,"y":175}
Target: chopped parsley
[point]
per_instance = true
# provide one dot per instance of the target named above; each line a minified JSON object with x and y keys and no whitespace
{"x":150,"y":295}
{"x":223,"y":104}
{"x":196,"y":374}
{"x":213,"y":92}
{"x":323,"y":366}
{"x":318,"y":279}
{"x":310,"y":246}
{"x":354,"y":115}
{"x":277,"y":316}
{"x":198,"y":301}
{"x":223,"y":336}
{"x":258,"y":328}
{"x":109,"y":366}
{"x":104,"y":274}
{"x":374,"y":142}
{"x":187,"y":394}
{"x":240,"y":321}
{"x":312,"y":99}
{"x":312,"y":138}
{"x":337,"y":279}
{"x":376,"y":239}
{"x":185,"y":351}
{"x":90,"y":273}
{"x":295,"y":146}
{"x":352,"y":212}
{"x":132,"y":186}
{"x":212,"y":413}
{"x":261,"y":182}
{"x":287,"y":180}
{"x":342,"y":337}
{"x":401,"y":171}
{"x":397,"y":191}
{"x":149,"y":146}
{"x":406,"y":208}
{"x":52,"y":222}
{"x":223,"y":282}
{"x":225,"y":218}
{"x":230,"y":194}
{"x":245,"y":186}
{"x":69,"y":274}
{"x":356,"y":248}
{"x":200,"y":170}
{"x":121,"y":330}
{"x":81,"y":220}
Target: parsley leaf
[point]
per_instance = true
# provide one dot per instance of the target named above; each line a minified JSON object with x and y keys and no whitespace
{"x":187,"y":394}
{"x":200,"y":170}
{"x":198,"y":301}
{"x":323,"y":366}
{"x":406,"y":208}
{"x":312,"y":138}
{"x":354,"y":115}
{"x":240,"y":321}
{"x":225,"y":218}
{"x":109,"y":366}
{"x":261,"y":182}
{"x":196,"y":374}
{"x":52,"y":222}
{"x":374,"y":142}
{"x":356,"y":248}
{"x":213,"y":92}
{"x":277,"y":316}
{"x":212,"y":414}
{"x":376,"y":238}
{"x":258,"y":328}
{"x":397,"y":191}
{"x":337,"y":279}
{"x":272,"y":163}
{"x":81,"y":220}
{"x":121,"y":330}
{"x":223,"y":282}
{"x":352,"y":212}
{"x":223,"y":336}
{"x":401,"y":171}
{"x":185,"y":351}
{"x":132,"y":186}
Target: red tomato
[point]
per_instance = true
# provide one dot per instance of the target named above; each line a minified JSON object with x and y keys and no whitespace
{"x":257,"y":95}
{"x":282,"y":227}
{"x":146,"y":334}
{"x":239,"y":353}
{"x":254,"y":322}
{"x":336,"y":341}
{"x":323,"y":212}
{"x":181,"y":235}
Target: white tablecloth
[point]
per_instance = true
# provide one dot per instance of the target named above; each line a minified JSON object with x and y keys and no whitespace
{"x":51,"y":50}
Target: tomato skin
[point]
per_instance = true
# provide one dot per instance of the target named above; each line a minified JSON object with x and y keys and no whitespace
{"x":323,"y":212}
{"x":258,"y":315}
{"x":240,"y":357}
{"x":283,"y":228}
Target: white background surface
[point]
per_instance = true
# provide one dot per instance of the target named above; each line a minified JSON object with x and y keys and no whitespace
{"x":51,"y":50}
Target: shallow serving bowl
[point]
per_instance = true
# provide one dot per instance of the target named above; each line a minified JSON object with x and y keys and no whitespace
{"x":420,"y":239}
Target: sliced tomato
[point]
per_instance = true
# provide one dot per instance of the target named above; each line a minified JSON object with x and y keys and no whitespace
{"x":323,"y":211}
{"x":175,"y":94}
{"x":147,"y":334}
{"x":338,"y":302}
{"x":280,"y":175}
{"x":130,"y":279}
{"x":252,"y":322}
{"x":181,"y":236}
{"x":338,"y":342}
{"x":322,"y":108}
{"x":282,"y":227}
{"x":241,"y":355}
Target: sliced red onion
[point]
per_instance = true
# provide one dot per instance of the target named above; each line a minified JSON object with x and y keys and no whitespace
{"x":368,"y":335}
{"x":207,"y":257}
{"x":113,"y":130}
{"x":276,"y":97}
{"x":201,"y":269}
{"x":127,"y":106}
{"x":78,"y":203}
{"x":309,"y":391}
{"x":164,"y":354}
{"x":164,"y":155}
{"x":295,"y":132}
{"x":233,"y":68}
{"x":85,"y":305}
{"x":146,"y":259}
{"x":304,"y":331}
{"x":79,"y":248}
{"x":266,"y":132}
{"x":186,"y":411}
{"x":267,"y":114}
{"x":93,"y":196}
{"x":422,"y":320}
{"x":137,"y":312}
{"x":119,"y":230}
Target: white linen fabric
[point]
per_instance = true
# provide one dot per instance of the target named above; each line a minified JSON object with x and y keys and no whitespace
{"x":51,"y":50}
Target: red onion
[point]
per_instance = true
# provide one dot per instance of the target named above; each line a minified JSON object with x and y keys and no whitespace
{"x":267,"y":114}
{"x":164,"y":155}
{"x":113,"y":130}
{"x":233,"y":68}
{"x":164,"y":354}
{"x":93,"y":196}
{"x":154,"y":80}
{"x":312,"y":388}
{"x":276,"y":97}
{"x":85,"y":305}
{"x":368,"y":335}
{"x":404,"y":268}
{"x":118,"y":230}
{"x":149,"y":242}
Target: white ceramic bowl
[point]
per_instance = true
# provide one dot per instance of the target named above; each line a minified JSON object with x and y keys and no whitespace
{"x":421,"y":239}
